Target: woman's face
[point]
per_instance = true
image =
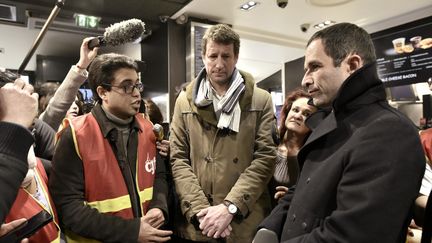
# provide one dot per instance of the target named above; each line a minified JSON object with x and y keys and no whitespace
{"x":73,"y":110}
{"x":300,"y":110}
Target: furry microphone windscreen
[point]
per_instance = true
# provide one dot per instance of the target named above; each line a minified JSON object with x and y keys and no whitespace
{"x":124,"y":31}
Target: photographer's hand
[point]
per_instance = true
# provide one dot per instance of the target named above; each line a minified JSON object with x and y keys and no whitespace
{"x":18,"y":103}
{"x":6,"y":228}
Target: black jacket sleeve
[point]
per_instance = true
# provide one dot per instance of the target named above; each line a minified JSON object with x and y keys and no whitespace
{"x":66,"y":185}
{"x":160,"y":187}
{"x":275,"y":221}
{"x":44,"y":140}
{"x":15,"y":142}
{"x":44,"y":143}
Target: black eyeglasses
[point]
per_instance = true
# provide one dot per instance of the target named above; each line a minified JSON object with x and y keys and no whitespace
{"x":128,"y":89}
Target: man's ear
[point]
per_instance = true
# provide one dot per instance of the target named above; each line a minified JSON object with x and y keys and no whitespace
{"x":354,"y":62}
{"x":101,"y":92}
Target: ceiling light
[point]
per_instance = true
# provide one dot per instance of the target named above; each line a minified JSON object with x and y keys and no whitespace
{"x":249,"y":5}
{"x":324,"y":24}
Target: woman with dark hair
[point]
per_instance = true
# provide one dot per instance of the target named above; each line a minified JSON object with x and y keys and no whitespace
{"x":293,"y":133}
{"x":153,"y":112}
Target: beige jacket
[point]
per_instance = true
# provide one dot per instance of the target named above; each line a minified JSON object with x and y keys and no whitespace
{"x":210,"y":165}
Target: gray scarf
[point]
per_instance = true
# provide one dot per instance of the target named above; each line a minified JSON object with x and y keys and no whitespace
{"x":228,"y":104}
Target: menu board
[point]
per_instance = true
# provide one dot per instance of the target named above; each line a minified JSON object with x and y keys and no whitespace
{"x":404,"y":53}
{"x":198,"y":35}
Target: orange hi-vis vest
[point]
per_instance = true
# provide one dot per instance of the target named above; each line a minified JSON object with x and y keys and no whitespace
{"x":105,"y":187}
{"x":26,"y":206}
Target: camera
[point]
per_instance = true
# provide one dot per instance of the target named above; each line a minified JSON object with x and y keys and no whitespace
{"x":282,"y":3}
{"x":304,"y":27}
{"x":7,"y":76}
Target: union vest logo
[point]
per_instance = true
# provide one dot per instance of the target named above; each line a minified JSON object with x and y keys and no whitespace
{"x":150,"y":165}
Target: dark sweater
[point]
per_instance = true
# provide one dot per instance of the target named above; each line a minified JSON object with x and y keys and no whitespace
{"x":15,"y":142}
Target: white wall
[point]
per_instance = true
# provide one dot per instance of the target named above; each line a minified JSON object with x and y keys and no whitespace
{"x":17,"y":41}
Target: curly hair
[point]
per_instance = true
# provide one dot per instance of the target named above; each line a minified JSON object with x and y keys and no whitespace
{"x":291,"y":97}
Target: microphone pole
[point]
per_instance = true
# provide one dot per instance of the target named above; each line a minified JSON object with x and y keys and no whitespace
{"x":54,"y":12}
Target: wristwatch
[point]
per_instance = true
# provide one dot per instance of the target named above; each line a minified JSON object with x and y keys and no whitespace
{"x":232,"y":209}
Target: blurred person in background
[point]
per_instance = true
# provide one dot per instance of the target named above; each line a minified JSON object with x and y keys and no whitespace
{"x":46,"y":91}
{"x":293,"y":133}
{"x":34,"y":197}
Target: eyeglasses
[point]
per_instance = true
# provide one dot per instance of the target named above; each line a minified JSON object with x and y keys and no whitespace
{"x":128,"y":89}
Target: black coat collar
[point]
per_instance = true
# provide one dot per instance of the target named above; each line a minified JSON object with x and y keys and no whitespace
{"x":363,"y":87}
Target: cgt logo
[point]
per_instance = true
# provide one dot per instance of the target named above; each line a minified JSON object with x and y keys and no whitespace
{"x":150,"y":165}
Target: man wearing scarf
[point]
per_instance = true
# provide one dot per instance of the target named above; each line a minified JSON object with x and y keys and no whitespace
{"x":222,"y":150}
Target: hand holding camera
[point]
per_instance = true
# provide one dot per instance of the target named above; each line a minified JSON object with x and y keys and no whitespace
{"x":18,"y":103}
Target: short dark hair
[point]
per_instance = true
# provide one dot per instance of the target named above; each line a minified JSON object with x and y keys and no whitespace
{"x":102,"y":69}
{"x":46,"y":91}
{"x":342,"y":39}
{"x":222,"y":34}
{"x":289,"y":100}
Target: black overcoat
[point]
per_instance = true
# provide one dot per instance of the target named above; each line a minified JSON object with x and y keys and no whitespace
{"x":361,"y":170}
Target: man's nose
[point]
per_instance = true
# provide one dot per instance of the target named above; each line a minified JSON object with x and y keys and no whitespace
{"x":136,"y":92}
{"x":219,"y":62}
{"x":306,"y":81}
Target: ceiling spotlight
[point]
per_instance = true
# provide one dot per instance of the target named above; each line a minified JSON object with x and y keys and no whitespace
{"x":324,"y":24}
{"x":249,"y":5}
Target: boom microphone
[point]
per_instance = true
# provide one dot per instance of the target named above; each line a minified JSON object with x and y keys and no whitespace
{"x":119,"y":33}
{"x":7,"y":76}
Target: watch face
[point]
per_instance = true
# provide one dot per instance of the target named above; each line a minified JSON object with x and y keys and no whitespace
{"x":232,"y":209}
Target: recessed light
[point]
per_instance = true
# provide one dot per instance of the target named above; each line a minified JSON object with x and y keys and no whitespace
{"x":324,"y":24}
{"x":248,"y":5}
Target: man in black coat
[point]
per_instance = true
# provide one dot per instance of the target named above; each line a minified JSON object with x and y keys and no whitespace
{"x":362,"y":166}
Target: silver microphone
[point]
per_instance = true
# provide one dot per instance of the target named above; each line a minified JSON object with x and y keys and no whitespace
{"x":119,"y":33}
{"x":265,"y":236}
{"x":158,"y":131}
